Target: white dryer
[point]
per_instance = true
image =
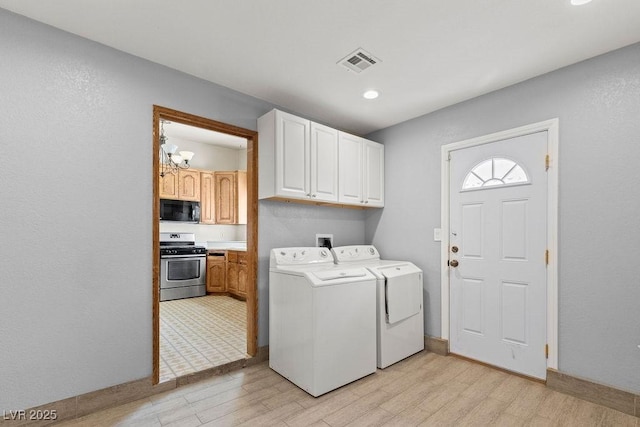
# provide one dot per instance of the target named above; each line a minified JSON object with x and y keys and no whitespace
{"x":322,"y":319}
{"x":400,"y":315}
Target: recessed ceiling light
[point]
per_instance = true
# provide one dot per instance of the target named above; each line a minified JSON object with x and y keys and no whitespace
{"x":579,"y":2}
{"x":371,"y":94}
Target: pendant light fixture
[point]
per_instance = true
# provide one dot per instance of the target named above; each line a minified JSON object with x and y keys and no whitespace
{"x":169,"y":161}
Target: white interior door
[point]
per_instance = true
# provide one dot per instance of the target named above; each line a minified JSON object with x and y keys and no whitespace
{"x":498,"y":244}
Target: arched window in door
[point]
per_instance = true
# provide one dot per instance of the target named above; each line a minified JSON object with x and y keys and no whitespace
{"x":495,"y":172}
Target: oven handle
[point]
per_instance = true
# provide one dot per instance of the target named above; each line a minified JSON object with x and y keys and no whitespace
{"x":183,"y":256}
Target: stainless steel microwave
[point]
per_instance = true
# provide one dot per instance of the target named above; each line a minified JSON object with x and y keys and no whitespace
{"x":179,"y":210}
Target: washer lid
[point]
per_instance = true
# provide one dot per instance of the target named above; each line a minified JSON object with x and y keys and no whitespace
{"x":341,"y":274}
{"x":338,"y":276}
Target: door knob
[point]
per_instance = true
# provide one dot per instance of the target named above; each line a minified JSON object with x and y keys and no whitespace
{"x":454,"y":249}
{"x":453,"y":263}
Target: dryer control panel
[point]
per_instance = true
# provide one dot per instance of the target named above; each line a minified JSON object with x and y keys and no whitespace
{"x":355,"y":253}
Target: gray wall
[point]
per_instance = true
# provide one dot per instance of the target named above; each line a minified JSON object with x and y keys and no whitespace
{"x":285,"y":225}
{"x":75,"y":210}
{"x":598,"y":104}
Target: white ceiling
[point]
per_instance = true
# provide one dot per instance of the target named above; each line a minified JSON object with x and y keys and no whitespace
{"x":205,"y":136}
{"x":434,"y":53}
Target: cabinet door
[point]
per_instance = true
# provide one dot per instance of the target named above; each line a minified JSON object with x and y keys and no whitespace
{"x":350,"y":169}
{"x":207,"y":198}
{"x":292,"y":156}
{"x":225,"y":197}
{"x":373,"y":181}
{"x":232,"y":277}
{"x":216,"y":274}
{"x":324,"y":163}
{"x":241,"y":197}
{"x":189,"y":185}
{"x":169,"y":186}
{"x":242,"y":280}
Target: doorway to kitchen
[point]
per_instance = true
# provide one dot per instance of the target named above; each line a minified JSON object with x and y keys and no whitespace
{"x":187,"y":328}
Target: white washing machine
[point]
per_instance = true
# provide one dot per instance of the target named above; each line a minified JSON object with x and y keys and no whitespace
{"x":322,"y":319}
{"x":400,"y":315}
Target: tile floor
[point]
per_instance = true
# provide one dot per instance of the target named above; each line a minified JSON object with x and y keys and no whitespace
{"x":425,"y":389}
{"x":200,"y":333}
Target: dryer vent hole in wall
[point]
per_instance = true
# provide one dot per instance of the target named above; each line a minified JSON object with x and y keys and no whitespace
{"x":324,"y":241}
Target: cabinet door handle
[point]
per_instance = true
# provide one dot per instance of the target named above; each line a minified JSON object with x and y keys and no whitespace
{"x":313,"y":195}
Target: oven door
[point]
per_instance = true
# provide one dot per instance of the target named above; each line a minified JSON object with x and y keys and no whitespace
{"x":182,"y":270}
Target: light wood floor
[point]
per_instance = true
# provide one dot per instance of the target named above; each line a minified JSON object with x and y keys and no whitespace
{"x":425,"y":389}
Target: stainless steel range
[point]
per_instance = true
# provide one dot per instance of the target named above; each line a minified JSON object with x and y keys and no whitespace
{"x":182,"y":267}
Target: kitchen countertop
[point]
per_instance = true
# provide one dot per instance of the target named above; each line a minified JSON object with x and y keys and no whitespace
{"x":225,"y":245}
{"x":209,"y":250}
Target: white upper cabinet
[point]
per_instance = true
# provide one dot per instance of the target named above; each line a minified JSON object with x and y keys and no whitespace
{"x":292,"y":150}
{"x":361,"y":171}
{"x":324,"y":163}
{"x":284,"y":155}
{"x":373,"y":181}
{"x":350,"y":177}
{"x":305,"y":161}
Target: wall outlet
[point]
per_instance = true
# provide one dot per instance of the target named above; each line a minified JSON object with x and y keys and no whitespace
{"x":324,"y":240}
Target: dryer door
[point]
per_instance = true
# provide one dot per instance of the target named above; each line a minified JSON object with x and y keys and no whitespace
{"x":403,"y":292}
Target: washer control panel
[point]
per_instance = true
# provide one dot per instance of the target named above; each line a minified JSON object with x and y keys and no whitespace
{"x":300,"y":256}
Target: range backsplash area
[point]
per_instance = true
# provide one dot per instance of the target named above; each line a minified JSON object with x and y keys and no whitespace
{"x":207,"y":232}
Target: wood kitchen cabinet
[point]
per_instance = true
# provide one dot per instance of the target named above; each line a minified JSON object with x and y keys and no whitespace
{"x":169,"y":186}
{"x":230,"y":197}
{"x":183,"y":185}
{"x":361,"y":172}
{"x":298,"y":158}
{"x":207,"y":198}
{"x":243,"y":274}
{"x":237,"y":273}
{"x":189,"y":185}
{"x":217,"y":272}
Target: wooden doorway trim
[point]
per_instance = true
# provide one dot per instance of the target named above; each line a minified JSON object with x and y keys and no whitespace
{"x":252,"y":221}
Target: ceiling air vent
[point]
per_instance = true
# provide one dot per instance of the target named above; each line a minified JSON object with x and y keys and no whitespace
{"x":358,"y":61}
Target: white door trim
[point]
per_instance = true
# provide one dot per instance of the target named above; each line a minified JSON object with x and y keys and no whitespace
{"x":552,"y":128}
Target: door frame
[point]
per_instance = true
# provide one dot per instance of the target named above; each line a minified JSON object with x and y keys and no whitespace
{"x":252,"y":221}
{"x":552,"y":128}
